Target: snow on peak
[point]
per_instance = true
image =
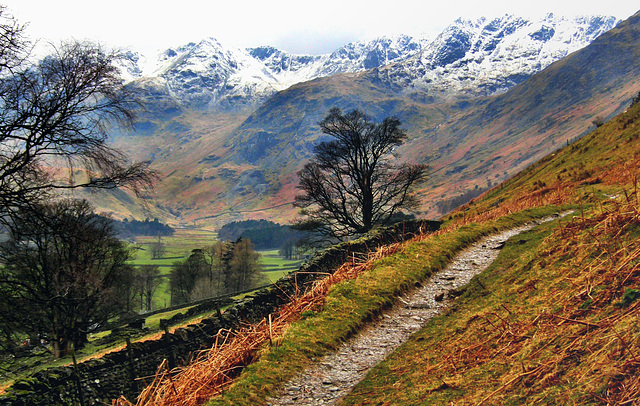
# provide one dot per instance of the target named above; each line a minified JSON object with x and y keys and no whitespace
{"x":484,"y":56}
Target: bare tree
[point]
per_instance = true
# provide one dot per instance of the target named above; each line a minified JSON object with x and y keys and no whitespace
{"x":350,"y":185}
{"x":14,"y":48}
{"x":54,"y":120}
{"x":185,"y":275}
{"x":63,"y":274}
{"x":64,"y":270}
{"x":157,"y":249}
{"x":147,"y":281}
{"x":218,"y":257}
{"x":244,"y":271}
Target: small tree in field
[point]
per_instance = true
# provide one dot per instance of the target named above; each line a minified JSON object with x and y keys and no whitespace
{"x":350,"y":185}
{"x":147,"y":281}
{"x":157,"y":249}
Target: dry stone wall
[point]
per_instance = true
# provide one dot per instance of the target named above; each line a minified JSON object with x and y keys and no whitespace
{"x":127,"y":371}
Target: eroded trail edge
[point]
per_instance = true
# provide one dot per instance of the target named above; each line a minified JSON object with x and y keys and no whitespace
{"x":336,"y":374}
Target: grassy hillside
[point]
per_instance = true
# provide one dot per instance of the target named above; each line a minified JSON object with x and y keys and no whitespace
{"x":554,"y":320}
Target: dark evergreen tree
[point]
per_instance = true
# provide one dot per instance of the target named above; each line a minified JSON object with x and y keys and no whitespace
{"x":147,"y":280}
{"x":185,"y":275}
{"x":263,"y":234}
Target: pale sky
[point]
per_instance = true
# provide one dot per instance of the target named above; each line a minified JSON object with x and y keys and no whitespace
{"x":296,"y":26}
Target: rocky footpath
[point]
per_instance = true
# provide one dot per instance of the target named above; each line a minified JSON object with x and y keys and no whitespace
{"x":127,"y":371}
{"x":336,"y":374}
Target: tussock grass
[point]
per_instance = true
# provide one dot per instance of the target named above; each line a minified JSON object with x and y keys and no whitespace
{"x":552,"y":325}
{"x":316,"y":321}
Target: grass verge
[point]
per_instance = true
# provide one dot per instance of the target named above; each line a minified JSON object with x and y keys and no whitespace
{"x":352,"y":303}
{"x":556,"y":323}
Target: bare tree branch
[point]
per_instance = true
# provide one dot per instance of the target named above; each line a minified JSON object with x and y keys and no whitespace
{"x":350,"y":186}
{"x":54,"y":121}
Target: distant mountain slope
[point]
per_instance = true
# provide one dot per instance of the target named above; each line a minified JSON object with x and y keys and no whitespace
{"x":221,"y":164}
{"x":470,"y":143}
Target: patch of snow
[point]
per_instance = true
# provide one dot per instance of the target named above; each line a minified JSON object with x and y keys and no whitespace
{"x":480,"y":57}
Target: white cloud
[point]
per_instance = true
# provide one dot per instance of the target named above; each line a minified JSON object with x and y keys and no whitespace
{"x":304,"y":27}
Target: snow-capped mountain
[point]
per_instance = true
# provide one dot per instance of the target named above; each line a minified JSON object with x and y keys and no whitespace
{"x":208,"y":74}
{"x":486,"y":57}
{"x":221,"y":165}
{"x":479,"y":57}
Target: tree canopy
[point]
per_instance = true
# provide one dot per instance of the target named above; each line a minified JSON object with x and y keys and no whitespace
{"x":54,"y":117}
{"x":263,"y":234}
{"x":351,"y":184}
{"x":64,"y":274}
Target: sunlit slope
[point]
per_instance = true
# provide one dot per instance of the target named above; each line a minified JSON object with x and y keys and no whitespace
{"x":603,"y":164}
{"x":555,"y":319}
{"x":469,"y":143}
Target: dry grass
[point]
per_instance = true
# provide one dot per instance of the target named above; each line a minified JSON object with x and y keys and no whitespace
{"x":212,"y":370}
{"x":589,"y":342}
{"x":559,"y":194}
{"x":558,"y":331}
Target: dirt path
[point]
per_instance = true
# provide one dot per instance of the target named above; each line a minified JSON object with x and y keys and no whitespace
{"x":336,"y":374}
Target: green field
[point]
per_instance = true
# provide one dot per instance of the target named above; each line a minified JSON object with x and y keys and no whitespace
{"x":179,"y":246}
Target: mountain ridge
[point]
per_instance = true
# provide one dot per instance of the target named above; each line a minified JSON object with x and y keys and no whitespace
{"x":208,"y":74}
{"x":220,"y":173}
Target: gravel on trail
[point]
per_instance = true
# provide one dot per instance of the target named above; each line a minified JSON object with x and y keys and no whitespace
{"x":333,"y":376}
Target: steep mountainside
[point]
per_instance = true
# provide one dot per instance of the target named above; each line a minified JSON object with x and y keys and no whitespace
{"x":220,"y":165}
{"x":485,"y":57}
